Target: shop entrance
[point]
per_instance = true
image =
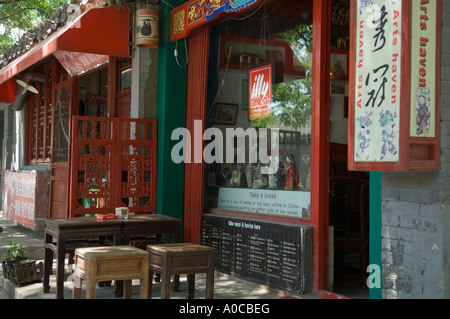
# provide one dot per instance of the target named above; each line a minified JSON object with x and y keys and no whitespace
{"x":349,"y":225}
{"x":348,"y":190}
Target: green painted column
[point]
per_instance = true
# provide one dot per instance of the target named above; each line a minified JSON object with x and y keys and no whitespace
{"x":375,"y":229}
{"x":171,"y":108}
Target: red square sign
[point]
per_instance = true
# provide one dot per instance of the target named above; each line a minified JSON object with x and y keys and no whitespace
{"x":260,"y":92}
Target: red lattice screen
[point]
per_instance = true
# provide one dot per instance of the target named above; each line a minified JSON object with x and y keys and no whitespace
{"x":113,"y":165}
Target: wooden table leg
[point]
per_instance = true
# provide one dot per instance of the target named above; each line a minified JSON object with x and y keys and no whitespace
{"x":176,"y":283}
{"x":191,"y":286}
{"x":48,"y":263}
{"x":210,"y":284}
{"x":60,"y":270}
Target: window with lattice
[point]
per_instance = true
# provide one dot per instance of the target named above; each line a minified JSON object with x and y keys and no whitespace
{"x":40,"y":122}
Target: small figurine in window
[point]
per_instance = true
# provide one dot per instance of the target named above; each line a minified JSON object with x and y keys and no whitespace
{"x":307,"y":160}
{"x":291,"y":173}
{"x":249,"y":175}
{"x":259,"y":180}
{"x":280,"y":175}
{"x":226,"y":176}
{"x":272,"y":172}
{"x":237,"y":176}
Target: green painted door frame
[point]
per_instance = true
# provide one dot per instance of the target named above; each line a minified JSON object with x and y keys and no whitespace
{"x":171,"y":108}
{"x":375,"y":229}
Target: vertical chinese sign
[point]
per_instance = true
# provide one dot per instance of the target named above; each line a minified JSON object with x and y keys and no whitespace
{"x":423,"y":68}
{"x":377,"y":81}
{"x":260,"y":92}
{"x":395,"y":85}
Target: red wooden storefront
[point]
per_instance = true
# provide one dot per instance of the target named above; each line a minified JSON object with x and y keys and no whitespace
{"x":97,"y":161}
{"x":195,"y":21}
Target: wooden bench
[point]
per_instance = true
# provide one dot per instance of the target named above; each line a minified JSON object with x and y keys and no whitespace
{"x":111,"y":263}
{"x":182,"y":258}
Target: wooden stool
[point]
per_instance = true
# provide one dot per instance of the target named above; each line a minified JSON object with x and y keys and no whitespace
{"x":182,"y":258}
{"x":111,"y":263}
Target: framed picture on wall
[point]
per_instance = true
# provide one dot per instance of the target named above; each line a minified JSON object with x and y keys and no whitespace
{"x":225,"y":114}
{"x":339,"y":65}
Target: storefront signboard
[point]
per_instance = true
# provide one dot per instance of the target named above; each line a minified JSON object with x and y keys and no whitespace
{"x":423,"y":69}
{"x":377,"y":81}
{"x":260,"y":92}
{"x":394,"y":93}
{"x":266,"y":201}
{"x":76,"y":63}
{"x":25,"y":197}
{"x":195,"y":13}
{"x":271,"y":253}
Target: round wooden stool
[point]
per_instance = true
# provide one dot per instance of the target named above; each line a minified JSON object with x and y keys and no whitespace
{"x":110,"y":263}
{"x":182,"y":258}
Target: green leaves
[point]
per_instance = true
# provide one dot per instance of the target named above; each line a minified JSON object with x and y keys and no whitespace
{"x":19,"y":16}
{"x":14,"y":250}
{"x":292,"y":99}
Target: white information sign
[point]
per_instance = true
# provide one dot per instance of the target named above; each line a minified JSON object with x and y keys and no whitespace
{"x":265,"y":201}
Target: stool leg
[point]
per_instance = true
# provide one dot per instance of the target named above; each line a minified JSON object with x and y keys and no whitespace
{"x":165,"y":286}
{"x":90,"y":289}
{"x":144,"y":288}
{"x":127,"y":289}
{"x":191,"y":286}
{"x":76,"y":293}
{"x":150,"y":283}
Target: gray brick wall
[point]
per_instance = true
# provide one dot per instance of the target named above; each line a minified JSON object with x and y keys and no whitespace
{"x":416,"y":215}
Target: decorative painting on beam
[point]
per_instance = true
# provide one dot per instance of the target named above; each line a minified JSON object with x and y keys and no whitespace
{"x":195,"y":13}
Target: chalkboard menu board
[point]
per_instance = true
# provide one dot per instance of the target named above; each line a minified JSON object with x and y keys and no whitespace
{"x":277,"y":254}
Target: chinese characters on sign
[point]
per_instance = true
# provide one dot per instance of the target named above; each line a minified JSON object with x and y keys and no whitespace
{"x":423,"y":68}
{"x":260,"y":92}
{"x":19,"y":195}
{"x":377,"y":80}
{"x":195,"y":13}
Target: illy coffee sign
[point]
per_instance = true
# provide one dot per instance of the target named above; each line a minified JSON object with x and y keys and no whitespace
{"x":260,"y":92}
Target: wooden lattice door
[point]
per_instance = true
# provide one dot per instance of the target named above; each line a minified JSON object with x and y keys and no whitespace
{"x":113,"y":165}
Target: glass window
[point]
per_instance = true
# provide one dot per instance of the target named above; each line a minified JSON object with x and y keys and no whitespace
{"x":259,"y":112}
{"x":125,"y":79}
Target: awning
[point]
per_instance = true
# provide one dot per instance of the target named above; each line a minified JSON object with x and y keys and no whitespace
{"x":101,"y":31}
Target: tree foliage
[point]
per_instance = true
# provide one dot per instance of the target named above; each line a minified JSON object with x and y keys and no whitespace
{"x":292,"y":99}
{"x":19,"y":16}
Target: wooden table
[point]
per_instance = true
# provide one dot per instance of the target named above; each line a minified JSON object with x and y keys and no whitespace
{"x":64,"y":235}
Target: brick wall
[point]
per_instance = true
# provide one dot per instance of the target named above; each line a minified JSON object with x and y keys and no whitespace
{"x":416,"y":216}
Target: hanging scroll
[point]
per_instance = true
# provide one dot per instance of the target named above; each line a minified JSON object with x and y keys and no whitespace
{"x":394,"y":85}
{"x":378,"y":85}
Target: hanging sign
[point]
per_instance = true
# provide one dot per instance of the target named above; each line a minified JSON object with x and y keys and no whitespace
{"x":423,"y":68}
{"x":76,"y":63}
{"x":260,"y":92}
{"x":195,"y":13}
{"x":377,"y":81}
{"x":395,"y":85}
